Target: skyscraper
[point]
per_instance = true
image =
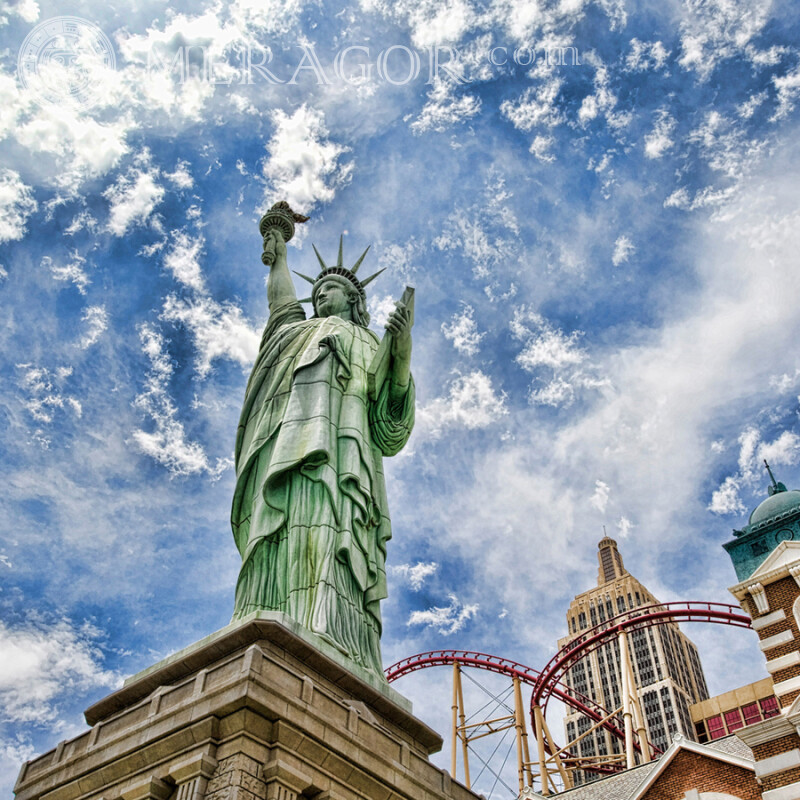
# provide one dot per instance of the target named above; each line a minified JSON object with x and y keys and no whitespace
{"x":666,"y":667}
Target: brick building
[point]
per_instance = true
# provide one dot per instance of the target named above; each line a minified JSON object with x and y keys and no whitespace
{"x":766,"y":557}
{"x":720,"y":770}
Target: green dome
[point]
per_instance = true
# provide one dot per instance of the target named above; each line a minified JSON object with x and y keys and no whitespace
{"x":776,"y":504}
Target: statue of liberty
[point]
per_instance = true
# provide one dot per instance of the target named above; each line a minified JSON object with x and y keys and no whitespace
{"x":325,"y":402}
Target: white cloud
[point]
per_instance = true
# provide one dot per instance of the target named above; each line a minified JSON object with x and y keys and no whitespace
{"x":559,"y":365}
{"x":705,"y":198}
{"x":527,"y":22}
{"x":444,"y":108}
{"x":540,"y":147}
{"x":167,"y":443}
{"x":646,"y":56}
{"x":272,"y":16}
{"x":714,"y":30}
{"x":784,"y":450}
{"x":545,"y":346}
{"x":43,"y":662}
{"x":726,"y":499}
{"x":303,"y":165}
{"x":399,"y":258}
{"x":486,"y":234}
{"x":44,"y":390}
{"x":16,"y":205}
{"x":431,"y":22}
{"x":27,"y":10}
{"x":556,"y":392}
{"x":725,"y":146}
{"x":624,"y":248}
{"x":82,"y":221}
{"x":600,"y":497}
{"x":749,"y":107}
{"x":624,"y":527}
{"x":753,"y":451}
{"x":152,"y":79}
{"x":218,"y":329}
{"x":183,"y":259}
{"x":462,"y":331}
{"x":788,"y":89}
{"x":537,"y":107}
{"x":379,"y":309}
{"x":602,"y":102}
{"x":471,"y":403}
{"x":445,"y":620}
{"x":82,"y":146}
{"x":180,"y":176}
{"x":415,"y":574}
{"x":96,"y":319}
{"x":132,"y":198}
{"x":73,"y":271}
{"x":659,"y":140}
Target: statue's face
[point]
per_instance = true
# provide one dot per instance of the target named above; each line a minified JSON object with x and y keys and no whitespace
{"x":332,"y":299}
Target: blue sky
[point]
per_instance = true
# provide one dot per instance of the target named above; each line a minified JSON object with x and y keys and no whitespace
{"x":604,"y":255}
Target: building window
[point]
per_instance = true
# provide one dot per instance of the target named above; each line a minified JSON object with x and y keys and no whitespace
{"x":733,"y":720}
{"x":608,"y":564}
{"x":769,"y":707}
{"x":700,"y":732}
{"x":716,"y":728}
{"x":751,"y":713}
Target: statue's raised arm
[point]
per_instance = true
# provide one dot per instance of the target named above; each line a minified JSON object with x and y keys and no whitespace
{"x":280,"y":289}
{"x":277,"y":227}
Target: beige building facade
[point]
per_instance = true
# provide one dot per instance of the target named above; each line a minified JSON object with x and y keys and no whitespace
{"x":666,"y":667}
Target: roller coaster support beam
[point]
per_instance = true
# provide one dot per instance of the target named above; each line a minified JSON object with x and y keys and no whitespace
{"x":546,"y":744}
{"x":627,"y":714}
{"x":631,"y":710}
{"x":544,"y":774}
{"x":523,"y":756}
{"x":459,"y":724}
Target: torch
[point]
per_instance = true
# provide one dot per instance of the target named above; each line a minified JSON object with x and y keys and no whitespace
{"x":280,"y":217}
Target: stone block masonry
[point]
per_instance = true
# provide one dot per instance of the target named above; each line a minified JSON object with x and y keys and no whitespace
{"x":253,"y":713}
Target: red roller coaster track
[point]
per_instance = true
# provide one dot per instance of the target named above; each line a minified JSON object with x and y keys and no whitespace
{"x":547,"y":682}
{"x":504,"y":666}
{"x":644,"y":617}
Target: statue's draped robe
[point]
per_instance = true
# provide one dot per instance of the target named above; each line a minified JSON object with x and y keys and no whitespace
{"x":309,"y":512}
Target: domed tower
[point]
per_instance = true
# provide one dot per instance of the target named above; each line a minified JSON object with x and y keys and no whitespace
{"x":766,"y":557}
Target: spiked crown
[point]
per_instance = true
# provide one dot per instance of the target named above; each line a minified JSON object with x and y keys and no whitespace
{"x":341,"y":271}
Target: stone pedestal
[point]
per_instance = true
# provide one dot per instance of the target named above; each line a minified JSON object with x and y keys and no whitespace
{"x":258,"y":711}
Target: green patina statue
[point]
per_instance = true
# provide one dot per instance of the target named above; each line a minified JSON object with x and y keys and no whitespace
{"x":325,"y":402}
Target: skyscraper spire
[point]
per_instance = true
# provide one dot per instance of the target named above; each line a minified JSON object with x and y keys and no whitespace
{"x":610,"y":560}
